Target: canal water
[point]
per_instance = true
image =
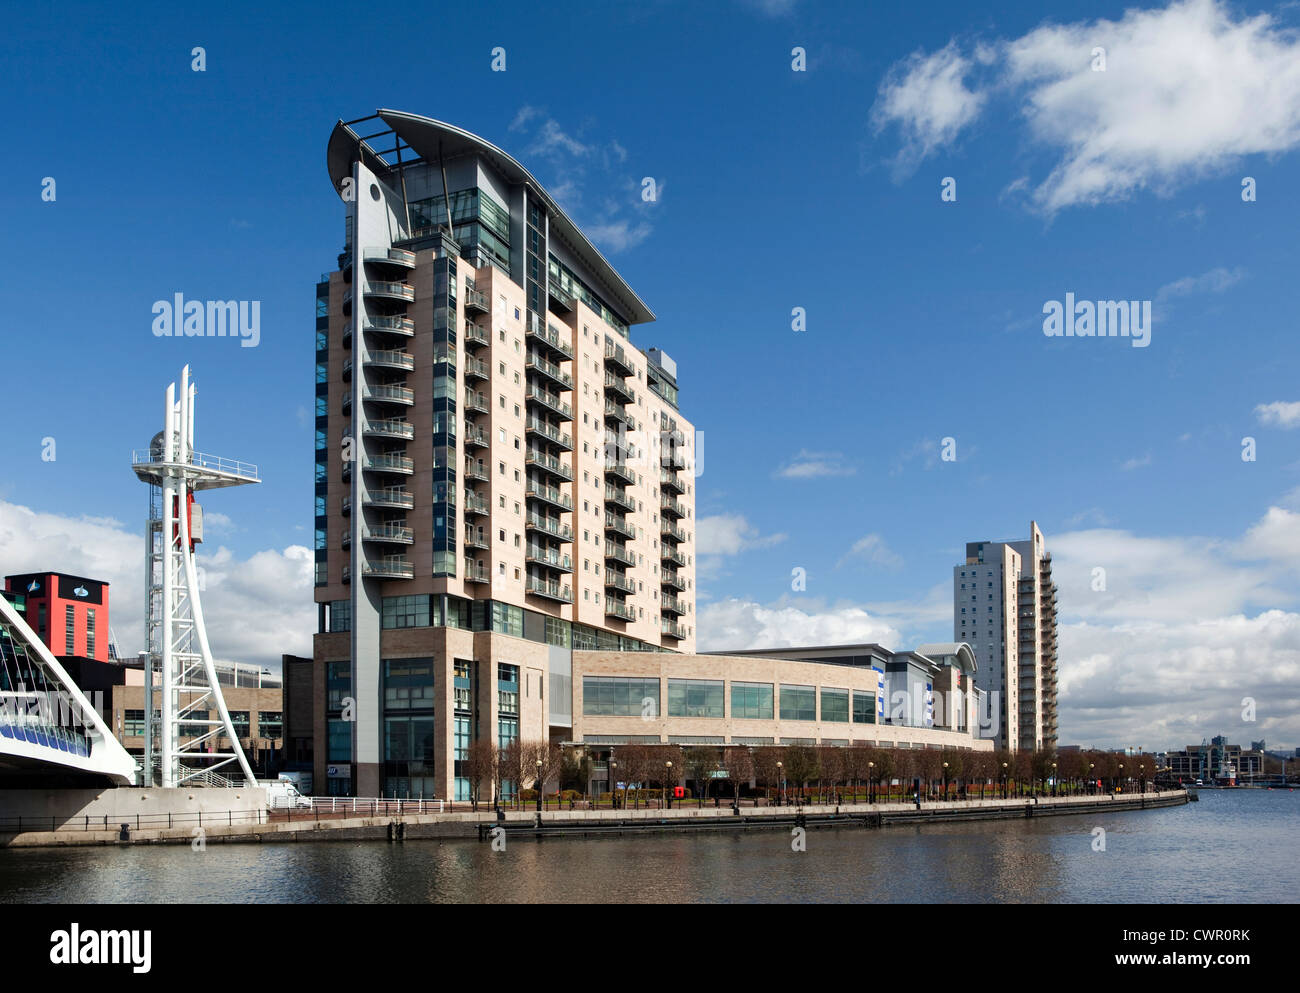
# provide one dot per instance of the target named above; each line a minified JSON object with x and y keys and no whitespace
{"x":1232,"y":846}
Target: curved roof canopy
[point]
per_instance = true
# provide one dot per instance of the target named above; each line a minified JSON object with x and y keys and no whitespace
{"x":431,"y":139}
{"x":960,"y":650}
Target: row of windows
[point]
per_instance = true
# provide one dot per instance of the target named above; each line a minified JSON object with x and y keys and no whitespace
{"x":635,"y":696}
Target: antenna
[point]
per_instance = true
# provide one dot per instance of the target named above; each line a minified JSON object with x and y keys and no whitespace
{"x":177,"y":650}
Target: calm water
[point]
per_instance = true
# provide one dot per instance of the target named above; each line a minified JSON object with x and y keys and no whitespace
{"x":1230,"y":847}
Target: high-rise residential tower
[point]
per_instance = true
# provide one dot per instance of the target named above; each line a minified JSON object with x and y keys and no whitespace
{"x":1004,"y":606}
{"x":501,"y":475}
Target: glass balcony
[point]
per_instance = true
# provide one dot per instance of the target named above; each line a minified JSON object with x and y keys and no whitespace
{"x":399,"y":464}
{"x":560,"y":379}
{"x":475,"y":368}
{"x":475,"y":437}
{"x":548,"y":463}
{"x":672,"y":581}
{"x":622,"y":470}
{"x":619,"y":609}
{"x":389,"y":567}
{"x":476,"y":470}
{"x":551,"y":526}
{"x":620,"y":553}
{"x":671,"y":604}
{"x":403,"y":326}
{"x":475,"y":504}
{"x":389,"y":428}
{"x":667,"y":554}
{"x":390,"y":359}
{"x":671,"y":507}
{"x":475,"y":302}
{"x":384,"y":290}
{"x":389,"y":256}
{"x":475,"y":573}
{"x":476,"y":538}
{"x":398,"y":534}
{"x":619,"y":359}
{"x":561,"y":302}
{"x":544,"y":588}
{"x":535,"y":425}
{"x":548,"y":557}
{"x":477,"y":401}
{"x":551,"y":340}
{"x":670,"y":530}
{"x":389,"y":394}
{"x":619,"y":497}
{"x":615,"y":412}
{"x":669,"y":480}
{"x":388,"y":496}
{"x":552,"y":401}
{"x":616,"y":386}
{"x":619,"y":581}
{"x":475,"y":335}
{"x":672,"y":629}
{"x":619,"y":525}
{"x":537,"y":490}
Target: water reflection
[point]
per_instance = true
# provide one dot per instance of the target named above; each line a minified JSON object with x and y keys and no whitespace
{"x":1229,"y":847}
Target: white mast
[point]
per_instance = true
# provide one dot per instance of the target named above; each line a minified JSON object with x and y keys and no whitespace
{"x":177,"y":639}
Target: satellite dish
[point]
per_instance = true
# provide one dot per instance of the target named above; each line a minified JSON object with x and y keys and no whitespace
{"x":156,"y":448}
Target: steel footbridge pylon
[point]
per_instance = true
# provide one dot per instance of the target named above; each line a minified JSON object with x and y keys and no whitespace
{"x":182,"y":734}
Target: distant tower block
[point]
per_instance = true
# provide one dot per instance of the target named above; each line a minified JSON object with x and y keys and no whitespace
{"x":180,"y":667}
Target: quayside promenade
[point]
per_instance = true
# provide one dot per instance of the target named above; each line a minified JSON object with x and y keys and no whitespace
{"x":417,"y":820}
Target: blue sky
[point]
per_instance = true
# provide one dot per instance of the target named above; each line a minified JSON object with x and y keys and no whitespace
{"x":779,"y":189}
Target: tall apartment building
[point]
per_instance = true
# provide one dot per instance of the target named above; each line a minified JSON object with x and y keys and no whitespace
{"x":1004,"y":606}
{"x":501,"y":475}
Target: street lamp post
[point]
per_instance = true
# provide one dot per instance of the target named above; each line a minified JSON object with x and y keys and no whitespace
{"x":539,"y":785}
{"x":613,"y":782}
{"x":668,"y":795}
{"x":780,"y":795}
{"x":945,"y":780}
{"x":1092,"y":780}
{"x":871,"y":781}
{"x":1053,"y":779}
{"x":1004,"y":781}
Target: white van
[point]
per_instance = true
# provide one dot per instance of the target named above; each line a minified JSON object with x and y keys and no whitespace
{"x":283,"y":795}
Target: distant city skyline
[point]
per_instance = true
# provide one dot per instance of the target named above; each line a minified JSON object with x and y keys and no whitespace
{"x":828,"y":509}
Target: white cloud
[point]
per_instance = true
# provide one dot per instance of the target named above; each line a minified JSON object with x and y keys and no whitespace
{"x":1136,"y":463}
{"x":1280,"y":413}
{"x":619,"y":236}
{"x":927,"y":96}
{"x":810,"y":465}
{"x":1215,"y":281}
{"x":730,"y":534}
{"x":873,"y":549}
{"x":1188,"y":91}
{"x":256,"y":608}
{"x":742,"y":624}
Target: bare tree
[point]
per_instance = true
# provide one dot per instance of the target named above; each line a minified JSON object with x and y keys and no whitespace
{"x":479,"y":765}
{"x":738,"y":764}
{"x":854,"y":761}
{"x":904,"y":767}
{"x":800,"y":766}
{"x":954,"y":768}
{"x":929,"y":766}
{"x":667,"y":767}
{"x":881,"y":768}
{"x":702,"y":761}
{"x":767,"y":767}
{"x":830,"y":760}
{"x":548,"y":760}
{"x":633,"y":767}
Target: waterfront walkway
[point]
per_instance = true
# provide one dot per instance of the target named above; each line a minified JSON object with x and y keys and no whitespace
{"x":412,"y":824}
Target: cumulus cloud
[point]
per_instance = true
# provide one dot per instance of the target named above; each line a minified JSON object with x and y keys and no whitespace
{"x":736,"y":625}
{"x":810,"y":465}
{"x":1280,"y":414}
{"x":1215,"y":281}
{"x":1188,"y":91}
{"x":731,"y":534}
{"x":927,"y":97}
{"x":256,"y":608}
{"x":872,"y":548}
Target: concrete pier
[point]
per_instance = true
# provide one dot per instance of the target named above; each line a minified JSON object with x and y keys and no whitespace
{"x":304,"y":825}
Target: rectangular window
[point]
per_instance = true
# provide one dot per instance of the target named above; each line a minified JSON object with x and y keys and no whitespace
{"x":90,"y":632}
{"x":340,"y":615}
{"x":241,"y":722}
{"x":133,"y":722}
{"x":408,"y":684}
{"x":695,"y":698}
{"x":70,"y":630}
{"x":798,"y":703}
{"x":620,"y":696}
{"x":270,"y":724}
{"x":406,"y":611}
{"x":864,"y":707}
{"x":835,"y":705}
{"x":339,"y":741}
{"x":751,"y":701}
